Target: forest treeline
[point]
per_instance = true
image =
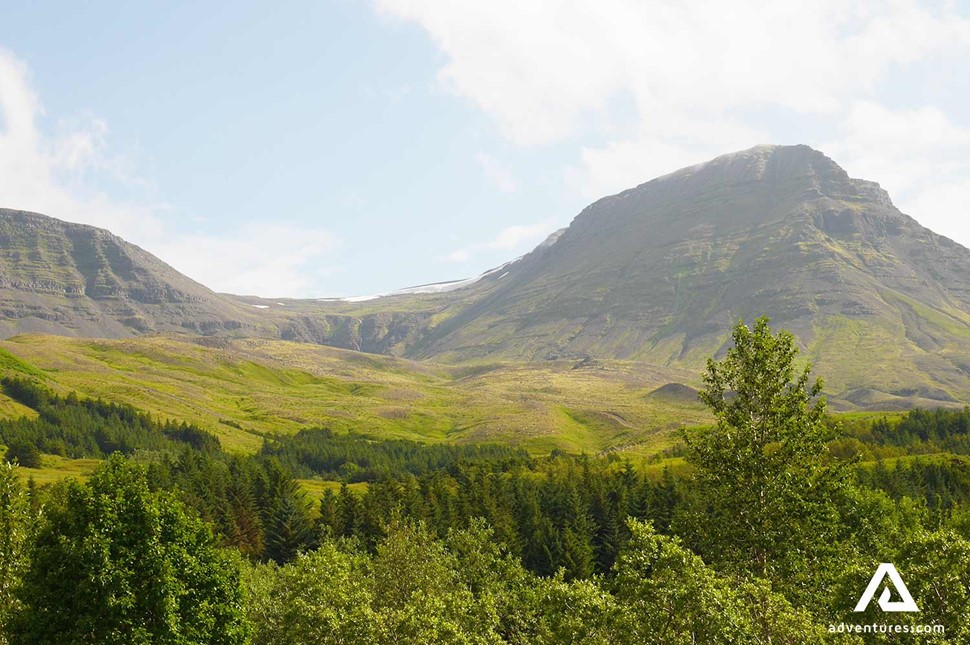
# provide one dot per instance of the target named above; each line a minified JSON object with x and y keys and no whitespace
{"x":75,"y":427}
{"x":318,"y":452}
{"x":945,"y":429}
{"x":768,"y":536}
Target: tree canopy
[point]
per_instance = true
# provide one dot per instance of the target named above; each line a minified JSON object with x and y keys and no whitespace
{"x":763,"y":472}
{"x":117,"y":563}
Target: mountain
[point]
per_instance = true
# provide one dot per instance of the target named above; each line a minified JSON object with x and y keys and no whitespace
{"x":661,"y":272}
{"x":76,"y":280}
{"x":658,"y":274}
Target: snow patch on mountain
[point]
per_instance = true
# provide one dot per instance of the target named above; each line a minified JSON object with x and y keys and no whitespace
{"x":435,"y":287}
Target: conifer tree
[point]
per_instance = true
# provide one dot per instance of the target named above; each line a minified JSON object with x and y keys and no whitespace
{"x":289,"y":528}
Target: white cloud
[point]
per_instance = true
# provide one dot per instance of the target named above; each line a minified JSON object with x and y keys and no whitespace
{"x":512,"y":238}
{"x":515,"y":237}
{"x":497,"y":173}
{"x":55,"y":175}
{"x":697,"y":78}
{"x":49,"y":174}
{"x":268,"y":259}
{"x":458,"y":255}
{"x":537,"y":68}
{"x":919,"y":155}
{"x":626,"y":163}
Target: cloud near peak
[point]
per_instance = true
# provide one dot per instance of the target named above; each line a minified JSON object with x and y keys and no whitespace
{"x":638,"y":88}
{"x":517,"y":238}
{"x":56,"y":174}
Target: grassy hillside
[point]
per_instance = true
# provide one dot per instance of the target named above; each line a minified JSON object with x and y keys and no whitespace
{"x":243,"y":389}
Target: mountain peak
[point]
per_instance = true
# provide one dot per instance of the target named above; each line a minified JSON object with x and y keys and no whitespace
{"x":765,"y":162}
{"x":662,"y":271}
{"x":757,"y":185}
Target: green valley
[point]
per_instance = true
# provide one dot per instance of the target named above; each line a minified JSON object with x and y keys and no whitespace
{"x":243,"y":390}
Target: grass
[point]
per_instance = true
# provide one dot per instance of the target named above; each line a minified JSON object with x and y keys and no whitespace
{"x":677,"y":466}
{"x":316,"y":488}
{"x":54,"y":469}
{"x":10,"y":363}
{"x":242,"y":390}
{"x":933,"y":458}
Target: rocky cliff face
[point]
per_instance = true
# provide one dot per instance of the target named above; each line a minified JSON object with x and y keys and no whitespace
{"x":375,"y":333}
{"x":72,"y":279}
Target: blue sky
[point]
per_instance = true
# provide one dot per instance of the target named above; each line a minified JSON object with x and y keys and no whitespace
{"x":338,"y":148}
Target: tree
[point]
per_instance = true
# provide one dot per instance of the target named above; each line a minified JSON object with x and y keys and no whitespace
{"x":578,"y":555}
{"x":762,"y":472}
{"x":349,"y":514}
{"x":580,"y":612}
{"x":321,"y":597}
{"x":418,"y":591}
{"x":16,"y":523}
{"x":290,"y":529}
{"x":506,"y":595}
{"x":670,"y":596}
{"x":246,"y":529}
{"x":934,"y":566}
{"x":117,"y":563}
{"x":23,"y":453}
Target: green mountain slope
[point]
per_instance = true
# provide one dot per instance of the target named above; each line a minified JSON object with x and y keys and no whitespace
{"x":242,"y":389}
